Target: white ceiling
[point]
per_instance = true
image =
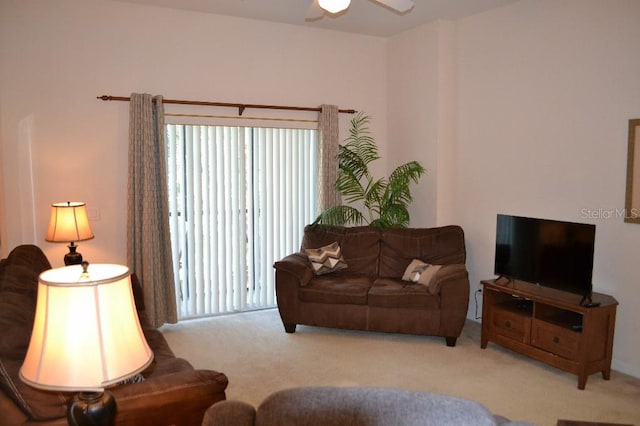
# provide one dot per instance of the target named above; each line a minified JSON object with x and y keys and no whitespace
{"x":363,"y":16}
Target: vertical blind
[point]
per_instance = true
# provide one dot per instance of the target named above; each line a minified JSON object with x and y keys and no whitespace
{"x":239,"y":198}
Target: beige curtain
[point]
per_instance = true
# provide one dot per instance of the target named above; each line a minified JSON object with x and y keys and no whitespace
{"x":329,"y":133}
{"x":148,"y":238}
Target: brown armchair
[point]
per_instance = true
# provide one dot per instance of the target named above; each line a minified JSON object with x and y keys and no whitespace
{"x":172,"y":392}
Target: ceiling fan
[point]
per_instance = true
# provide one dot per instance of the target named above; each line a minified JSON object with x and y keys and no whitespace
{"x":319,"y":8}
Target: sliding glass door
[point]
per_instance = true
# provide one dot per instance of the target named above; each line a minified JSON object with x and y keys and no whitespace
{"x":239,"y":200}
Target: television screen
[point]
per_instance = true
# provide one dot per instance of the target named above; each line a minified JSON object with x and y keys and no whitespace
{"x":546,"y":252}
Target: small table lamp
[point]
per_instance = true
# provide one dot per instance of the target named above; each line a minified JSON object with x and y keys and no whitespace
{"x":86,"y":336}
{"x":69,"y":223}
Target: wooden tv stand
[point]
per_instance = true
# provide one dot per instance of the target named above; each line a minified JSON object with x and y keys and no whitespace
{"x":550,"y":326}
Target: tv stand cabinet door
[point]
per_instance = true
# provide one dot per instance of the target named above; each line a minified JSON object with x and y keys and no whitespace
{"x":598,"y":331}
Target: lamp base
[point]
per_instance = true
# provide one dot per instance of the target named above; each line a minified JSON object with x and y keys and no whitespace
{"x":72,"y":258}
{"x":92,"y":409}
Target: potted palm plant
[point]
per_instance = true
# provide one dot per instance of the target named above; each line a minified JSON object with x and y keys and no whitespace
{"x":381,"y":203}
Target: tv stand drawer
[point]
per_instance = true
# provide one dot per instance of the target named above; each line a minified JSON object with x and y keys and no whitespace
{"x":555,"y":339}
{"x":513,"y":325}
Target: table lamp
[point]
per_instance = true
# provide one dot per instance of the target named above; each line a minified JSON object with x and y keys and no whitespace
{"x":69,"y":223}
{"x":86,"y":337}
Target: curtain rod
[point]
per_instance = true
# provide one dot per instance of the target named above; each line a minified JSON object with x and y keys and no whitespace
{"x":241,"y":107}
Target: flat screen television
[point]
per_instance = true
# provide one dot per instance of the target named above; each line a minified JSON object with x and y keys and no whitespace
{"x":550,"y":253}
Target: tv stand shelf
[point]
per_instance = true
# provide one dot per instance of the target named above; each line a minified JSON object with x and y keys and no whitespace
{"x":550,"y":326}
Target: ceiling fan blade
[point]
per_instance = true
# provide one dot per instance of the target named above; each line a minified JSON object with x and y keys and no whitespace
{"x":315,"y":12}
{"x":401,"y":6}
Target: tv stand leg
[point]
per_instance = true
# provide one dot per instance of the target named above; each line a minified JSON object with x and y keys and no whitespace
{"x":484,"y":333}
{"x":582,"y":381}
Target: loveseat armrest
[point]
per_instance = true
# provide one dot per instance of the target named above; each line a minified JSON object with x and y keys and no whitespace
{"x":292,"y":272}
{"x":179,"y":398}
{"x":230,"y":413}
{"x":298,"y":265}
{"x":451,"y":283}
{"x":452,"y":273}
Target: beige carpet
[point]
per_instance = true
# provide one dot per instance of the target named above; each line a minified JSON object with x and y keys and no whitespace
{"x":256,"y":354}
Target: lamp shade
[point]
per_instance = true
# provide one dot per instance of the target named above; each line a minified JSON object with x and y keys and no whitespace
{"x":334,"y":6}
{"x":69,"y":222}
{"x":86,"y":333}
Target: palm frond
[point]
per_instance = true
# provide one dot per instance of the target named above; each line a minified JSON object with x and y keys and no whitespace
{"x":396,"y":215}
{"x":350,"y":161}
{"x":385,"y":201}
{"x":374,"y":195}
{"x":359,"y":145}
{"x":400,"y":180}
{"x":404,"y":174}
{"x":352,"y":188}
{"x":339,"y":215}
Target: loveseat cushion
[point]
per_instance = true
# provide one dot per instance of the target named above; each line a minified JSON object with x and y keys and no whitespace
{"x":28,"y":255}
{"x":17,"y":308}
{"x":436,"y":246}
{"x":337,"y":288}
{"x":360,"y":245}
{"x":16,"y":320}
{"x":395,"y":293}
{"x":18,"y":294}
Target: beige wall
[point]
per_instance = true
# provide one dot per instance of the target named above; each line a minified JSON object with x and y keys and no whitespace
{"x":422,"y":98}
{"x":542,"y":94}
{"x":60,"y":143}
{"x":413,"y":112}
{"x":546,"y":89}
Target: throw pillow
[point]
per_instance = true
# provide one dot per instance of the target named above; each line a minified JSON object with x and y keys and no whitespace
{"x":326,"y":259}
{"x":420,"y":272}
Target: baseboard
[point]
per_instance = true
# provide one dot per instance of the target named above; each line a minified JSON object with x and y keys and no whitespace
{"x":625,"y":368}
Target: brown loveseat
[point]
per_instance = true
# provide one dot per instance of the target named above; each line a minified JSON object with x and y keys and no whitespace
{"x":172,"y":393}
{"x":369,"y":293}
